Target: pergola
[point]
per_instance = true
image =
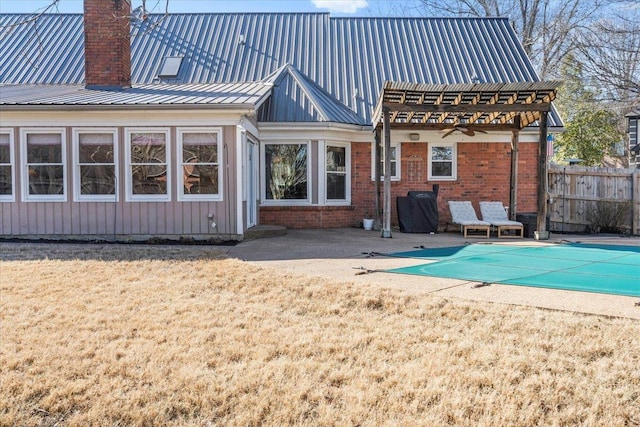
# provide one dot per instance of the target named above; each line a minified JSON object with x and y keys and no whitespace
{"x":468,"y":107}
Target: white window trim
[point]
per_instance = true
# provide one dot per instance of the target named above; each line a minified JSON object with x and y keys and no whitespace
{"x":322,"y":168}
{"x":77,"y":194}
{"x":454,"y":166}
{"x":24,"y":175}
{"x":129,"y":196}
{"x":398,"y":175}
{"x":263,"y":171}
{"x":190,"y":197}
{"x":12,"y":163}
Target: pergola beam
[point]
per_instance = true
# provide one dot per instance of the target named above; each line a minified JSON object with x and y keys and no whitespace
{"x":467,"y":108}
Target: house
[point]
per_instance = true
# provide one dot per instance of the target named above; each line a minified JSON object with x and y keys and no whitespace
{"x":634,"y":141}
{"x":203,"y":126}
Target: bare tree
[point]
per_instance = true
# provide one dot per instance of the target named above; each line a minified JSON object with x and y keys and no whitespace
{"x":546,"y":28}
{"x":610,"y":53}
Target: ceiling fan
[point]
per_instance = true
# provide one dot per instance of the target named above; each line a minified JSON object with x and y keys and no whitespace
{"x":463,"y":128}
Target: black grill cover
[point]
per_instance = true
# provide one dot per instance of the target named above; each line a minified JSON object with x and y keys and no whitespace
{"x":418,"y":212}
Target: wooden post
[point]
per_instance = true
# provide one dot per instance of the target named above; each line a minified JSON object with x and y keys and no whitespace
{"x":513,"y":195}
{"x":635,"y":200}
{"x":542,"y":233}
{"x":386,"y":213}
{"x":376,"y":171}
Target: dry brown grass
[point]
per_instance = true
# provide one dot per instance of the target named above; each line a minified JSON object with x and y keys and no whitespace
{"x":133,"y":335}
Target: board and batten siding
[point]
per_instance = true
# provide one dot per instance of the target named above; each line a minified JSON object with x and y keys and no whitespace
{"x":125,"y":220}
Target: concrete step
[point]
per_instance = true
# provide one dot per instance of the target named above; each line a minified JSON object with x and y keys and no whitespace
{"x":264,"y":230}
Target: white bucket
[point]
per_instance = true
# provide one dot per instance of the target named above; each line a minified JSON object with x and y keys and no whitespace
{"x":367,"y":224}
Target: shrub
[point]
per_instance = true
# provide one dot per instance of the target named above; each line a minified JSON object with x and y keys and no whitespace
{"x":610,"y":217}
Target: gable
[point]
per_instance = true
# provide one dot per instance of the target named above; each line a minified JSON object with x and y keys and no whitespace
{"x":296,"y":98}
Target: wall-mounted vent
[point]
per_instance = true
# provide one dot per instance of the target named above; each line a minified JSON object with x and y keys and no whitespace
{"x":170,"y":67}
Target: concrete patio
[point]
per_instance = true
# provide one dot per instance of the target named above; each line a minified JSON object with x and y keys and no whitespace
{"x":346,"y":253}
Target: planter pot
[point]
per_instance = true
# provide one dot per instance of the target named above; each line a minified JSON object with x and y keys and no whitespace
{"x":367,"y":224}
{"x":541,"y":235}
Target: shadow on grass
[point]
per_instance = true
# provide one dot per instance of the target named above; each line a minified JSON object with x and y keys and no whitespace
{"x":36,"y":251}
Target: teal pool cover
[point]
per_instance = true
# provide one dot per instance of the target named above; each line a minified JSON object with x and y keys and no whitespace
{"x":608,"y":269}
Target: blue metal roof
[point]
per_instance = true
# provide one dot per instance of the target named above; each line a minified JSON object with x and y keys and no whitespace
{"x":247,"y":95}
{"x":296,"y":98}
{"x":332,"y":61}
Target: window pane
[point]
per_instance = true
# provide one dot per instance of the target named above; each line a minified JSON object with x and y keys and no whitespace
{"x":5,"y":149}
{"x":200,"y":179}
{"x":149,"y":179}
{"x":192,"y":153}
{"x":442,"y":169}
{"x":99,"y":179}
{"x":442,"y":153}
{"x":286,"y":171}
{"x":5,"y":180}
{"x":148,"y":148}
{"x":336,"y":159}
{"x":45,"y":180}
{"x":96,"y":148}
{"x":336,"y":186}
{"x":44,"y":148}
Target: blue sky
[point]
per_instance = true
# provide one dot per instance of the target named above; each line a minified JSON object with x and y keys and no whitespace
{"x":336,"y":7}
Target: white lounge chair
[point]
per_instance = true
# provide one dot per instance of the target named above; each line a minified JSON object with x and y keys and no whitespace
{"x":463,"y":214}
{"x":494,"y":213}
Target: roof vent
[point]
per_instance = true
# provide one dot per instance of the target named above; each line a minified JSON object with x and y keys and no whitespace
{"x":170,"y":66}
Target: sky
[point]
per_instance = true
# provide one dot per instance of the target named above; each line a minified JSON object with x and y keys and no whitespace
{"x":335,"y":7}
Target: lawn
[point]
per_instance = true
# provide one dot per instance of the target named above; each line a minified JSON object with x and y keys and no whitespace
{"x":119,"y":335}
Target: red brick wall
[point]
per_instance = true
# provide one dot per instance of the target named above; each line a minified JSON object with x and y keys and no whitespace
{"x":308,"y":216}
{"x":107,"y":44}
{"x":483,"y":174}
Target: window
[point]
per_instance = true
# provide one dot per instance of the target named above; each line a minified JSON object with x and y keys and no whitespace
{"x":286,"y":172}
{"x":170,"y":66}
{"x":148,"y":176}
{"x":43,"y":158}
{"x":395,"y":163}
{"x":200,"y":152}
{"x":337,"y":173}
{"x":7,"y":191}
{"x":95,"y":173}
{"x":442,"y":162}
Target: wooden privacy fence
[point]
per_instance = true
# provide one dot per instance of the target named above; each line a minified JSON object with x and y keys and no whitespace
{"x":581,"y":198}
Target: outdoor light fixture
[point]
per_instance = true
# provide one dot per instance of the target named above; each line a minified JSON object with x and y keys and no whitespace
{"x":414,"y":136}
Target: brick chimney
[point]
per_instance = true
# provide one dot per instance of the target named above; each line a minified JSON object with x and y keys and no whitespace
{"x":107,"y":44}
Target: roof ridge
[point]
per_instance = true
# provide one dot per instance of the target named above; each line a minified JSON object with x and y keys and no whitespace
{"x":302,"y":80}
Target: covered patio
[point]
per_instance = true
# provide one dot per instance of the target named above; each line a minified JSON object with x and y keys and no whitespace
{"x":467,"y":108}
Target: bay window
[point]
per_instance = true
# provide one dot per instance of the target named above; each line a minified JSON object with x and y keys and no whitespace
{"x":337,"y":173}
{"x":286,"y":172}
